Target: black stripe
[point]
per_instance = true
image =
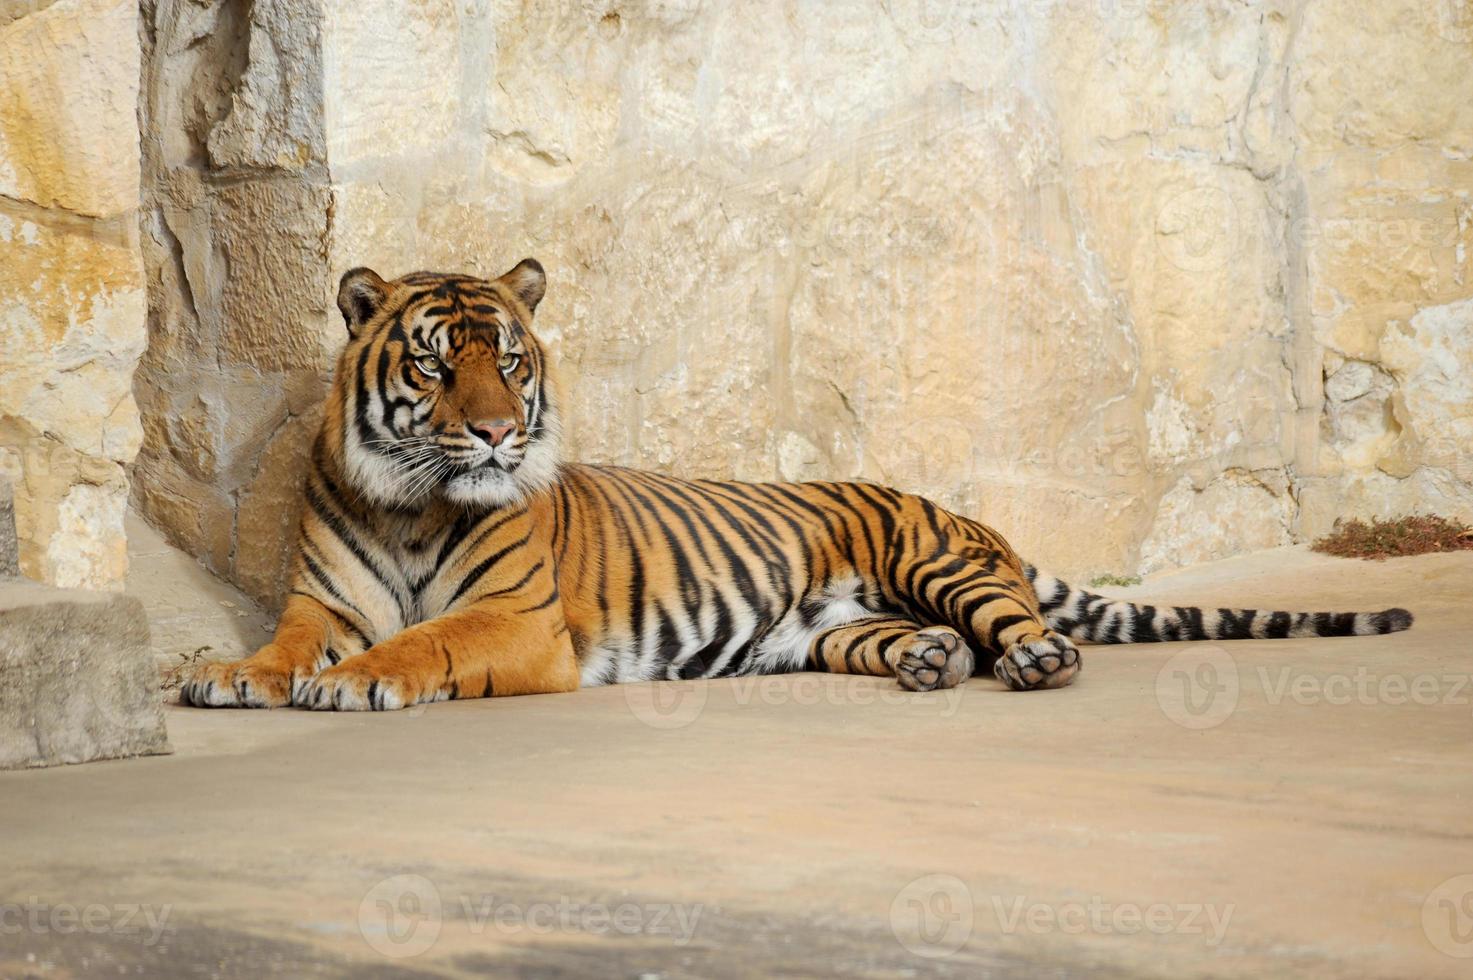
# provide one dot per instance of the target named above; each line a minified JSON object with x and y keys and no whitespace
{"x":485,"y":565}
{"x":1234,"y":624}
{"x":1278,"y":626}
{"x":340,"y":530}
{"x":999,"y":624}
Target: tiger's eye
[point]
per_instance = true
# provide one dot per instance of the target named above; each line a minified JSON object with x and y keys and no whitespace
{"x":508,"y":363}
{"x":428,"y":363}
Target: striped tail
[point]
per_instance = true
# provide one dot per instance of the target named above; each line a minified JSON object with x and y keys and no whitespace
{"x":1091,"y":618}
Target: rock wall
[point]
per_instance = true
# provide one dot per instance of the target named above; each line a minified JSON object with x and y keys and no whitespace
{"x":1139,"y":282}
{"x":1385,"y":144}
{"x":236,"y":217}
{"x":71,"y":283}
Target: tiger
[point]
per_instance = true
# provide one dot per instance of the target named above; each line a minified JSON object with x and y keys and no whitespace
{"x":447,"y":550}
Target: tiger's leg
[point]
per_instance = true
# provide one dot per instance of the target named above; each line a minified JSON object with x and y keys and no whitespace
{"x":492,"y":647}
{"x":309,"y":637}
{"x":997,"y":611}
{"x":921,"y":658}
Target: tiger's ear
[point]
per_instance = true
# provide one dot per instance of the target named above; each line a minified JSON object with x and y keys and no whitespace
{"x":361,"y":294}
{"x":528,"y":281}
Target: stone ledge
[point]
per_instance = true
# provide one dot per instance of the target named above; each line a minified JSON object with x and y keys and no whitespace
{"x":77,"y":680}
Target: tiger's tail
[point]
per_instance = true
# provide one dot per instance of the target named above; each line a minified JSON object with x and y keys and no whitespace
{"x":1089,"y":618}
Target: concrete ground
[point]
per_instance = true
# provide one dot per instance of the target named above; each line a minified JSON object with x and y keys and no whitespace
{"x":1273,"y":808}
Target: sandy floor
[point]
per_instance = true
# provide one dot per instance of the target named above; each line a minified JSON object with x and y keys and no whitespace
{"x":1250,"y":809}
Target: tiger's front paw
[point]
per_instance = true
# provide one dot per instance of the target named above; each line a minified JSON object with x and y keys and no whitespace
{"x":251,"y":683}
{"x":356,"y":685}
{"x":1046,"y":662}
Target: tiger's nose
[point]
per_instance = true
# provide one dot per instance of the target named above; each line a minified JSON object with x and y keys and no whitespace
{"x":493,"y":432}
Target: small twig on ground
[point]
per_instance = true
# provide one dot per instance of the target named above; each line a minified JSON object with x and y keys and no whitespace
{"x":173,"y":676}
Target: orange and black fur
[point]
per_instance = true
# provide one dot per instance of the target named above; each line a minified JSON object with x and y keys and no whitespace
{"x":447,"y":552}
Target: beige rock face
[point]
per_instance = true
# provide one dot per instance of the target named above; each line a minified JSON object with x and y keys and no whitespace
{"x":1138,"y":282}
{"x":68,"y":129}
{"x":236,"y":217}
{"x":72,"y":295}
{"x":1385,"y":227}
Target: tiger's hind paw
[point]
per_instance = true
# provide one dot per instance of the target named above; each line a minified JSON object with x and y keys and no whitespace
{"x":933,"y":659}
{"x":1047,"y":662}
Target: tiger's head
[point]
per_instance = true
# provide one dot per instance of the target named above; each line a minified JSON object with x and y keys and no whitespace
{"x":443,"y":390}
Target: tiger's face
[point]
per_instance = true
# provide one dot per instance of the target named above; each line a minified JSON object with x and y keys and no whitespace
{"x":443,"y":390}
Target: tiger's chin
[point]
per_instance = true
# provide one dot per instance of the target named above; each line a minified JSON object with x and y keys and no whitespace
{"x":488,"y":486}
{"x":500,"y":485}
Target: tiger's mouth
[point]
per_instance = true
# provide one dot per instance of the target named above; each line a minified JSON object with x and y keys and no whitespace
{"x":459,"y":461}
{"x":491,"y":464}
{"x":423,"y":470}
